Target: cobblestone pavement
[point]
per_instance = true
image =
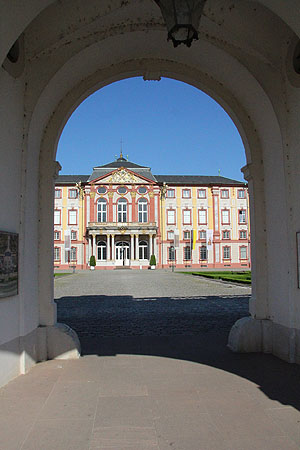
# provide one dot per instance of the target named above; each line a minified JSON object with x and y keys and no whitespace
{"x":147,"y":303}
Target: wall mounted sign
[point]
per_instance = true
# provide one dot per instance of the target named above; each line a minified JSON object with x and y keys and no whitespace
{"x":9,"y":243}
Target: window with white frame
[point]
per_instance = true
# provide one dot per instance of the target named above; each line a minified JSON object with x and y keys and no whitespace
{"x":226,"y":252}
{"x":202,"y":216}
{"x":186,"y":193}
{"x":171,"y":253}
{"x":57,"y":213}
{"x":72,"y":217}
{"x":202,"y":234}
{"x":101,"y":210}
{"x":203,"y":252}
{"x":243,"y":252}
{"x":56,"y":235}
{"x":241,"y":193}
{"x":201,"y":193}
{"x":56,"y":254}
{"x":143,"y":210}
{"x":186,"y":235}
{"x":226,"y":234}
{"x":224,"y":193}
{"x":170,"y":235}
{"x":243,"y":234}
{"x":171,"y":216}
{"x":73,"y":254}
{"x":171,"y":193}
{"x":57,"y":193}
{"x":242,"y":216}
{"x":101,"y":250}
{"x":73,"y":235}
{"x":187,"y":252}
{"x":122,"y":210}
{"x":143,"y":250}
{"x":225,"y":216}
{"x":186,"y":216}
{"x":73,"y":193}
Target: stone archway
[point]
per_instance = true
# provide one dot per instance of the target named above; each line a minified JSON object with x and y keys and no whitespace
{"x":236,"y":61}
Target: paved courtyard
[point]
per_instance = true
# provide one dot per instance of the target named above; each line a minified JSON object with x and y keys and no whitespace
{"x":156,"y":373}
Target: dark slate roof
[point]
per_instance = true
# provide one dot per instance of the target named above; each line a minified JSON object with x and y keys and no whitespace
{"x":101,"y":171}
{"x":66,"y":179}
{"x":198,"y":179}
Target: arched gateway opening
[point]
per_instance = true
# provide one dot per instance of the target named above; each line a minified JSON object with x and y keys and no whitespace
{"x":256,"y":88}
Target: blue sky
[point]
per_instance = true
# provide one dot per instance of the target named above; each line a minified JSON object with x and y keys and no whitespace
{"x":170,"y":126}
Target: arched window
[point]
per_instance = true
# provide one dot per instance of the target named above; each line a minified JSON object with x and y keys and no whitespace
{"x":122,"y":210}
{"x":101,"y":250}
{"x":143,"y":250}
{"x":102,"y":210}
{"x":143,"y":210}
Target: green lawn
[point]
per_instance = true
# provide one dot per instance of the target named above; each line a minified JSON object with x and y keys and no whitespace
{"x":240,"y":277}
{"x":56,"y":275}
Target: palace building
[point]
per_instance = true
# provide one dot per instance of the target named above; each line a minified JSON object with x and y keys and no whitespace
{"x":122,"y":214}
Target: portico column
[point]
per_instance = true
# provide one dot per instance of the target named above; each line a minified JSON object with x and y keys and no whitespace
{"x":136,"y":246}
{"x":155,"y":250}
{"x":150,"y":245}
{"x":108,"y":247}
{"x":90,"y":247}
{"x":112,"y":247}
{"x":93,"y":244}
{"x":132,"y":247}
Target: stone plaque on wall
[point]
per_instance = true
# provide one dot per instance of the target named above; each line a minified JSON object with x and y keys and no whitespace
{"x":9,"y":243}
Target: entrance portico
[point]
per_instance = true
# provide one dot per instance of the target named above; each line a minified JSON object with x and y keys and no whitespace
{"x":116,"y":245}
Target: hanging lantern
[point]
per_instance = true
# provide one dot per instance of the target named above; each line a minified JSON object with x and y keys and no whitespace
{"x":182,"y":18}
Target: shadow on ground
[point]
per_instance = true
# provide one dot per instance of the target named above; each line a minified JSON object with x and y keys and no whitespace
{"x":194,"y":329}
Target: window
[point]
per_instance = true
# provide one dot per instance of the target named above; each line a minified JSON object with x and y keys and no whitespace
{"x":202,"y":234}
{"x":187,"y":252}
{"x":226,"y":252}
{"x":201,"y":193}
{"x":73,"y":235}
{"x":225,"y":216}
{"x":243,"y":252}
{"x":101,"y":210}
{"x":57,"y":235}
{"x":122,"y":190}
{"x":186,"y":193}
{"x":187,"y":216}
{"x":72,"y":217}
{"x":171,"y":193}
{"x":203,"y":252}
{"x":122,"y":210}
{"x":171,"y":253}
{"x":242,"y":216}
{"x":56,"y":254}
{"x":73,"y":193}
{"x":143,"y":210}
{"x":73,"y":254}
{"x":101,"y":190}
{"x":226,"y":234}
{"x":101,"y":250}
{"x":241,"y":193}
{"x":171,"y":216}
{"x":186,"y":235}
{"x":202,"y":216}
{"x":142,"y":190}
{"x":143,"y":250}
{"x":57,"y":214}
{"x":224,"y":193}
{"x":243,"y":234}
{"x":171,"y":235}
{"x":57,"y":193}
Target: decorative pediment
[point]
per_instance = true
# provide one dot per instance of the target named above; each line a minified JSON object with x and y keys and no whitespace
{"x":122,"y":176}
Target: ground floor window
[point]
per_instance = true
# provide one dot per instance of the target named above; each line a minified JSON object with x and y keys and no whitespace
{"x":73,"y":254}
{"x":143,"y":250}
{"x":102,"y":251}
{"x":226,"y":252}
{"x":56,"y":254}
{"x":243,"y":252}
{"x":203,"y":252}
{"x":187,"y":252}
{"x":171,"y":253}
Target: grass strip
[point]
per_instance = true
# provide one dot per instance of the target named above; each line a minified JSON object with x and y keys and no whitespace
{"x":237,"y":277}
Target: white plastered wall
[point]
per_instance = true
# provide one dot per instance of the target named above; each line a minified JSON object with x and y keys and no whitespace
{"x":239,"y":60}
